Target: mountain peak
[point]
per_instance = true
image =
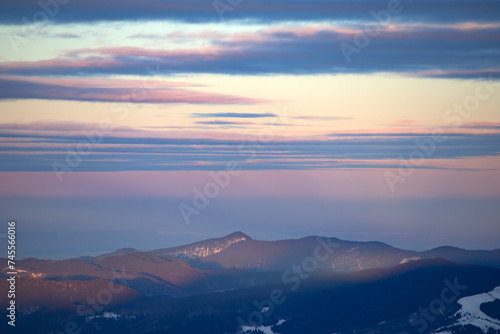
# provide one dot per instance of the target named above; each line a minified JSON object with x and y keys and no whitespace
{"x":238,"y":235}
{"x":203,"y":248}
{"x":127,"y":250}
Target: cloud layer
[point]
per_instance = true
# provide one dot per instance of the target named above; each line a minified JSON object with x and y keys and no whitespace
{"x":105,"y":90}
{"x":263,"y":11}
{"x":35,"y":147}
{"x":459,"y":51}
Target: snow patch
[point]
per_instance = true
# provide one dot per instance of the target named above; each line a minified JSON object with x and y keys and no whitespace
{"x":110,"y":315}
{"x":106,"y":315}
{"x":263,"y":329}
{"x":408,"y":259}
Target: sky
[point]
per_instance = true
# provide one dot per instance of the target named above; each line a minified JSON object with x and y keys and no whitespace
{"x":150,"y":124}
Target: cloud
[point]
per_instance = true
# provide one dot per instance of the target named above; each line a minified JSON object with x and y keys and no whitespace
{"x":48,"y":126}
{"x":34,"y":147}
{"x":241,"y":124}
{"x":457,"y":51}
{"x":219,"y":122}
{"x":67,"y":35}
{"x":110,"y":90}
{"x":260,"y":11}
{"x":482,"y":125}
{"x":233,"y":115}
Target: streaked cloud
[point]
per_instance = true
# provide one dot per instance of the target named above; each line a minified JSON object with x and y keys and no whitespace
{"x":482,"y":125}
{"x":67,"y":35}
{"x":456,"y":51}
{"x":114,"y":90}
{"x":135,"y":149}
{"x":234,"y":115}
{"x":220,"y":122}
{"x":263,"y":11}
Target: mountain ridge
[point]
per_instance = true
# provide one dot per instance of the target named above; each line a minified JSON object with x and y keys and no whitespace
{"x":248,"y":253}
{"x":239,"y":250}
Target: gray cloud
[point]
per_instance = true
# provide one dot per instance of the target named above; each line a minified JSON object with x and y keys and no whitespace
{"x":262,"y":11}
{"x":417,"y":51}
{"x":118,"y":151}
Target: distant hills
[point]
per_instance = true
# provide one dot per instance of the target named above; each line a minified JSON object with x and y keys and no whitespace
{"x":237,"y":261}
{"x":330,"y":286}
{"x":238,"y":250}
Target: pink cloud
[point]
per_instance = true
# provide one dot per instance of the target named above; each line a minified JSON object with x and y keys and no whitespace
{"x":99,"y":82}
{"x":112,"y":90}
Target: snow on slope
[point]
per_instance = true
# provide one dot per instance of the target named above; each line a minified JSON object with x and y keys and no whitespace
{"x":263,"y":329}
{"x":470,"y":313}
{"x":406,"y":259}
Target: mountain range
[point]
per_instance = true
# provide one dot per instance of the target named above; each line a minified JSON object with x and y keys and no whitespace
{"x":238,"y":250}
